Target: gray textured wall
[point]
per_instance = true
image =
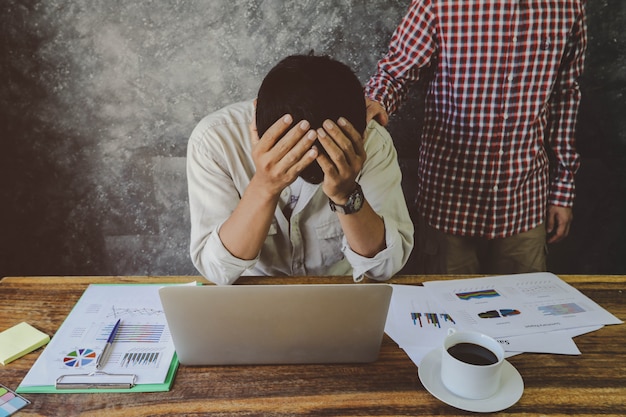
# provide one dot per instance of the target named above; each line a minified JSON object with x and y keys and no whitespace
{"x":98,"y":98}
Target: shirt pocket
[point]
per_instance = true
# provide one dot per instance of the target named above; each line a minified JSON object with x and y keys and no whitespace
{"x":330,"y":239}
{"x":547,"y":48}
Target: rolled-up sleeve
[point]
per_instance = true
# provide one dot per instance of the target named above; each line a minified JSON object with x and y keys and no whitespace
{"x":213,"y":195}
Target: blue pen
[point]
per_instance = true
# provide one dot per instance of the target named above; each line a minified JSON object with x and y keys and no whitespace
{"x":106,"y":352}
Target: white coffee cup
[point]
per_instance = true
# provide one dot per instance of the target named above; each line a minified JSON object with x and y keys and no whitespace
{"x":471,"y":380}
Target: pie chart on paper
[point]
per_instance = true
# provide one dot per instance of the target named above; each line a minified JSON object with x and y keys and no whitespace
{"x":79,"y":358}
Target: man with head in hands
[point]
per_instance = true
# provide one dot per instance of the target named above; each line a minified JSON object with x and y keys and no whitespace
{"x":294,"y":183}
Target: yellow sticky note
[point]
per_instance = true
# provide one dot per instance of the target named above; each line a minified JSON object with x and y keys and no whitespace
{"x":19,"y":340}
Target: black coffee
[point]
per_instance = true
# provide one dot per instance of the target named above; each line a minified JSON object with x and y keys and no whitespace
{"x":473,"y":354}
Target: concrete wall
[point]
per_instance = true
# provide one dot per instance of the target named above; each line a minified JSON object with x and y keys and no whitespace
{"x":98,"y":98}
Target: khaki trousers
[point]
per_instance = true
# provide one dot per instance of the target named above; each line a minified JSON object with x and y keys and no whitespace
{"x":441,"y":253}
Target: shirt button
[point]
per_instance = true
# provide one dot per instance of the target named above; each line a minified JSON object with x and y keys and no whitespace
{"x":501,"y":152}
{"x":514,"y":39}
{"x":510,"y":78}
{"x":505,"y":116}
{"x":495,"y":188}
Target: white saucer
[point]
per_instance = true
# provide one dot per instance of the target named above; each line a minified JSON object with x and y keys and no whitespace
{"x":510,"y":392}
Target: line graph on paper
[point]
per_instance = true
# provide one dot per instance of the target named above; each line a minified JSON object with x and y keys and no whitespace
{"x":541,"y":289}
{"x":128,"y":312}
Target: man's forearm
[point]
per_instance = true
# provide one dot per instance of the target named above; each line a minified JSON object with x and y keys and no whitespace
{"x":364,"y":231}
{"x":245,"y":230}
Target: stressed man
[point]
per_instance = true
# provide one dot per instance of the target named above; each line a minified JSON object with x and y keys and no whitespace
{"x":295,"y":183}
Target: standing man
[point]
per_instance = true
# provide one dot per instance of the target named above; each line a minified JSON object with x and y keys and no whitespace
{"x":497,"y":156}
{"x":295,"y":183}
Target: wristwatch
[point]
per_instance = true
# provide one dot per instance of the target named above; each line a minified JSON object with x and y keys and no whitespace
{"x":354,"y":203}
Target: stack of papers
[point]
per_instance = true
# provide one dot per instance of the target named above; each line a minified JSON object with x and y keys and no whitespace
{"x":535,"y":312}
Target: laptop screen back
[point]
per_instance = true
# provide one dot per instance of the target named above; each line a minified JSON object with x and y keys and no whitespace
{"x":276,"y":324}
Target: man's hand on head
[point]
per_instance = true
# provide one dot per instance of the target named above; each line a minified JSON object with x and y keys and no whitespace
{"x":282,"y":153}
{"x":345,"y":157}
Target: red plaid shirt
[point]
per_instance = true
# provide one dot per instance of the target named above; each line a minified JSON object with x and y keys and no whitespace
{"x":504,"y":95}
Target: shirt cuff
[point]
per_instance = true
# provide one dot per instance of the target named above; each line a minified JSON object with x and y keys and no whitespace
{"x":381,"y":266}
{"x":562,"y":192}
{"x":219,"y":265}
{"x":380,"y":96}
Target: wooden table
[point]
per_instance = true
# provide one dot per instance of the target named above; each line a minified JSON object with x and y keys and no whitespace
{"x":592,"y":384}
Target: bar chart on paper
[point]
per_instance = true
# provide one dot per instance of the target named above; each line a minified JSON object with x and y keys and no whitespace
{"x":431,"y":319}
{"x":136,"y":358}
{"x":413,"y":320}
{"x":415,"y":323}
{"x":137,"y":333}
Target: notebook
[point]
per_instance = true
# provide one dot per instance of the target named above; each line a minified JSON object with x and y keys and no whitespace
{"x":276,"y":324}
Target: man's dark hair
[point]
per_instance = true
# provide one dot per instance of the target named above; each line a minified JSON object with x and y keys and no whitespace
{"x":312,"y":88}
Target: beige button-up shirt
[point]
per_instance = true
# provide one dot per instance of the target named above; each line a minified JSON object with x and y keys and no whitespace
{"x":311,"y":241}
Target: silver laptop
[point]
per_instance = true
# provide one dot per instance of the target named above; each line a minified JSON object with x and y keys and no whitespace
{"x":276,"y":324}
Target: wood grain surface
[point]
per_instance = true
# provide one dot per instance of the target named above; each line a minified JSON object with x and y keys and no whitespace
{"x":592,"y":384}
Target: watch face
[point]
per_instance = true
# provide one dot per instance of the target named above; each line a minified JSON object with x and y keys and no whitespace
{"x":355,"y":201}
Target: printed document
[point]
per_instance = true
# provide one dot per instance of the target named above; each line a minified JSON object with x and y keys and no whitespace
{"x":521,"y":304}
{"x":142,"y":345}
